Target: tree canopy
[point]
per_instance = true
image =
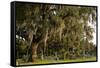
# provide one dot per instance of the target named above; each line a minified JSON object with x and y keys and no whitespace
{"x":60,"y":30}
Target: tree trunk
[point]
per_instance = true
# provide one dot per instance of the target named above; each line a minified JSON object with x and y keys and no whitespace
{"x":45,"y":42}
{"x":60,"y":33}
{"x":34,"y":51}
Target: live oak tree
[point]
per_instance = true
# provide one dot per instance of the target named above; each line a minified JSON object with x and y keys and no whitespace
{"x":59,"y":29}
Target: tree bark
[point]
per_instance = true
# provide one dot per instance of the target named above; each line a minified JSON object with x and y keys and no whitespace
{"x":34,"y":51}
{"x":45,"y":41}
{"x":60,"y":33}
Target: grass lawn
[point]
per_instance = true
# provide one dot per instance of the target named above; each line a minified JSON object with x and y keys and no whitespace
{"x":60,"y":61}
{"x":63,"y":61}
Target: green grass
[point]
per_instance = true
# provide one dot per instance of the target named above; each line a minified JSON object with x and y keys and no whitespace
{"x":60,"y":61}
{"x":63,"y":61}
{"x":81,"y":60}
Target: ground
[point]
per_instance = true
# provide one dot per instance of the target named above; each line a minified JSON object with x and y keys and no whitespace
{"x":59,"y":61}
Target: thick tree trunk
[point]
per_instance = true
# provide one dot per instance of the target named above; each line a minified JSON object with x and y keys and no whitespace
{"x":34,"y":51}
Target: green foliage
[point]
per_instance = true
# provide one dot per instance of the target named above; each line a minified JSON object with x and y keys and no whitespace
{"x":61,"y":29}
